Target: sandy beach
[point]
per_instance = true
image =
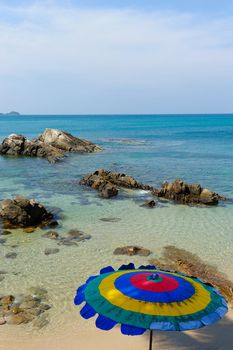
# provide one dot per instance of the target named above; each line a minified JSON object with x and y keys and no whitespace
{"x":215,"y":337}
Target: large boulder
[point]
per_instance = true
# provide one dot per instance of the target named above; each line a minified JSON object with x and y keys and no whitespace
{"x":52,"y":145}
{"x":108,"y":182}
{"x":22,"y":212}
{"x":67,"y":142}
{"x":185,"y":193}
{"x":18,"y":145}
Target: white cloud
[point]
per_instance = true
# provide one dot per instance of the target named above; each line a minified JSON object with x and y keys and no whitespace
{"x":156,"y":55}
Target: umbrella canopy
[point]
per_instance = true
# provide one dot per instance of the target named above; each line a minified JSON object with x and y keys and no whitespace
{"x":149,"y":299}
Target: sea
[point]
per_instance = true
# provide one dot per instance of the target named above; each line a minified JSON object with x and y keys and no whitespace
{"x":153,"y":149}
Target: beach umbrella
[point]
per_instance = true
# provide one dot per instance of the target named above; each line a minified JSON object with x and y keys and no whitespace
{"x":151,"y":299}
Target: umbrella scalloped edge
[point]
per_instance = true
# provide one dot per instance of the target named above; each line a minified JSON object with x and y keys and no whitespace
{"x":105,"y":323}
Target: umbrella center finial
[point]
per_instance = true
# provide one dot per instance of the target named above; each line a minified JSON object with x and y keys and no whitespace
{"x":154,"y":276}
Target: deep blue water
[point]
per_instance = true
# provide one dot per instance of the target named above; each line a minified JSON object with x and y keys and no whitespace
{"x":197,"y":148}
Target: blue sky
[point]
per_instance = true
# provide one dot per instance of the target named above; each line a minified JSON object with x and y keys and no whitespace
{"x":132,"y":56}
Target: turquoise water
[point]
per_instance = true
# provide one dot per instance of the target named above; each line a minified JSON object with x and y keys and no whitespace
{"x":151,"y":148}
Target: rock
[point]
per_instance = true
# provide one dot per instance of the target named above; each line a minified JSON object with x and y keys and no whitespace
{"x":41,"y":322}
{"x":52,"y":223}
{"x":19,"y":318}
{"x":67,"y":242}
{"x":23,"y":212}
{"x":149,"y":204}
{"x":39,"y":292}
{"x":110,"y":219}
{"x":45,"y":307}
{"x":108,"y":190}
{"x":132,"y":250}
{"x":35,"y":311}
{"x":183,"y":261}
{"x":78,"y":235}
{"x":49,"y":251}
{"x":107,"y":182}
{"x":1,"y":278}
{"x":5,"y":233}
{"x":29,"y":229}
{"x":67,"y":142}
{"x":51,"y":235}
{"x":119,"y":179}
{"x":52,"y":145}
{"x":2,"y":321}
{"x":7,"y":300}
{"x":2,"y":241}
{"x":11,"y":255}
{"x":21,"y":309}
{"x":29,"y":304}
{"x":18,"y":145}
{"x":16,"y":309}
{"x":184,"y":193}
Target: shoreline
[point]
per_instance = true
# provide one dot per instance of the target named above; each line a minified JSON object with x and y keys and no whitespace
{"x":215,"y":337}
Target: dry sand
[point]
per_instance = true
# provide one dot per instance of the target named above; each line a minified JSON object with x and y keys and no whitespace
{"x":215,"y":337}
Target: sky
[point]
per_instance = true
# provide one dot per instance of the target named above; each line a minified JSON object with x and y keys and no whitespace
{"x":116,"y":57}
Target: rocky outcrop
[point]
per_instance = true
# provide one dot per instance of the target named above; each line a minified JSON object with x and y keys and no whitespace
{"x":52,"y":145}
{"x":185,"y":193}
{"x":108,"y":183}
{"x":22,"y":212}
{"x":18,"y":145}
{"x":67,"y":142}
{"x":181,"y":260}
{"x":132,"y":250}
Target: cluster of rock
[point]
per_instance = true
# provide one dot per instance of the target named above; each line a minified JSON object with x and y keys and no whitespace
{"x":22,"y":212}
{"x":181,"y":260}
{"x":108,"y":183}
{"x":182,"y":192}
{"x":21,"y":309}
{"x":72,"y":238}
{"x":52,"y":145}
{"x":132,"y":250}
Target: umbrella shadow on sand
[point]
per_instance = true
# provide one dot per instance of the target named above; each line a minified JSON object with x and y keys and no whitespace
{"x":215,"y":337}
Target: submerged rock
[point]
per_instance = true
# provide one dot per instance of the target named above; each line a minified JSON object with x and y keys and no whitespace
{"x":132,"y":250}
{"x":11,"y":255}
{"x":50,"y":251}
{"x":51,"y":235}
{"x":110,"y":219}
{"x":52,"y":145}
{"x":23,"y":212}
{"x":68,"y":242}
{"x":39,"y":292}
{"x":20,"y":310}
{"x":181,"y":260}
{"x":185,"y":193}
{"x":77,"y":235}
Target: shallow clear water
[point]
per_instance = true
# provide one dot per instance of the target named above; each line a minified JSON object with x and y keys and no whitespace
{"x":151,"y":148}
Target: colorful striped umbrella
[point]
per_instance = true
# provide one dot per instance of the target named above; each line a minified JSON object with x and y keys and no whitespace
{"x":149,"y":299}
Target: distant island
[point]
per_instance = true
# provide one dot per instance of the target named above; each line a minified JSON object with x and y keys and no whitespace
{"x":10,"y":113}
